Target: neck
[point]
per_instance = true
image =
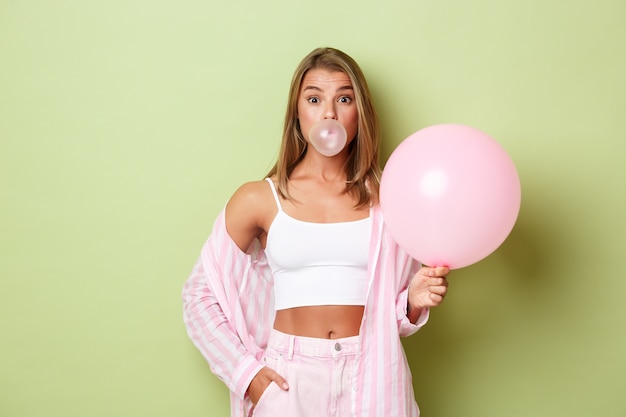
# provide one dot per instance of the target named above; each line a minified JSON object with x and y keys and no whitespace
{"x":325,"y":169}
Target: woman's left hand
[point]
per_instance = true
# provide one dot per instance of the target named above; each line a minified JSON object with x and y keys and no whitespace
{"x":428,"y":287}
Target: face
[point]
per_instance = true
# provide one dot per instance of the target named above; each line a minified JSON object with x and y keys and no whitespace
{"x":327,"y":94}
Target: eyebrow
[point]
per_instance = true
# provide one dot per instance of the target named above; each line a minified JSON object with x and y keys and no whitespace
{"x":315,"y":88}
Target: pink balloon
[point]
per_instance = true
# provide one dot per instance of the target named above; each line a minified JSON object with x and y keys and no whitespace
{"x":328,"y":136}
{"x":450,"y":195}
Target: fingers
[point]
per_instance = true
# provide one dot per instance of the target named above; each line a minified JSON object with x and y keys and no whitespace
{"x":262,"y":380}
{"x":278,"y":379}
{"x":428,"y":287}
{"x":435,"y":298}
{"x":437,"y":276}
{"x":437,"y":284}
{"x":437,"y":292}
{"x":437,"y":280}
{"x":439,"y":271}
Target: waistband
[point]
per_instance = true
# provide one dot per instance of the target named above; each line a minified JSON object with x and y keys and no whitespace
{"x":312,"y":346}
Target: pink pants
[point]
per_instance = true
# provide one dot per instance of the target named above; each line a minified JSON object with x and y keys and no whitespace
{"x":319,"y":373}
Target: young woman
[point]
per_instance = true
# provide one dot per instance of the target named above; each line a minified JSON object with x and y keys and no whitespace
{"x":300,"y":295}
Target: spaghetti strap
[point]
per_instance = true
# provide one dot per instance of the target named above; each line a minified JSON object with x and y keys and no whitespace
{"x":280,"y":208}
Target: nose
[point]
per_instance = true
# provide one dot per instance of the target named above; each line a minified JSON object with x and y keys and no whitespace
{"x":330,"y":112}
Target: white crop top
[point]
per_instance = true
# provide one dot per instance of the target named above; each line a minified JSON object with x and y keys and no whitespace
{"x":317,"y":263}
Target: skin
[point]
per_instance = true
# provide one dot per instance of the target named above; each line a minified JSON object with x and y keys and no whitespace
{"x":317,"y":185}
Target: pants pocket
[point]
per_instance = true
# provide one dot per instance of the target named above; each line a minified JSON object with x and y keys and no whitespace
{"x":269,"y":401}
{"x":267,"y":405}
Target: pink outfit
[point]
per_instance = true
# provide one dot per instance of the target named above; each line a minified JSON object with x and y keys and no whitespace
{"x":229,"y":314}
{"x":320,"y":373}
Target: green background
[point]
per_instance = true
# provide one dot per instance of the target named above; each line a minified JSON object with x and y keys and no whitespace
{"x":126,"y":125}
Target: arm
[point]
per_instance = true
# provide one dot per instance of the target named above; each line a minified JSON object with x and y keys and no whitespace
{"x":211,"y":332}
{"x":211,"y":305}
{"x":410,"y":319}
{"x":244,"y":225}
{"x":212,"y":311}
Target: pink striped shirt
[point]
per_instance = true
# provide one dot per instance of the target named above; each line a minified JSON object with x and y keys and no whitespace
{"x":229,"y":312}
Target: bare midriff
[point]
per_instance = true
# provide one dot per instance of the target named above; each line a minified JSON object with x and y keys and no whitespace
{"x":323,"y":322}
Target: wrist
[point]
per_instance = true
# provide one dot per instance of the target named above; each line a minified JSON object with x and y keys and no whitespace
{"x":413,"y":314}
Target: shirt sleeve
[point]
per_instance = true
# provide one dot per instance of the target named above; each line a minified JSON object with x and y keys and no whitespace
{"x":208,"y":318}
{"x":407,"y":267}
{"x":405,"y":326}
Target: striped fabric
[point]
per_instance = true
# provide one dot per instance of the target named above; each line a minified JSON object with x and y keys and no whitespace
{"x":228,"y":310}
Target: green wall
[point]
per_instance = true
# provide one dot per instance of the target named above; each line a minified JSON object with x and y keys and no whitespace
{"x":125,"y":126}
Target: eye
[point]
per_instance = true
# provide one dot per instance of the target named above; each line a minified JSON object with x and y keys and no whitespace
{"x":345,"y":99}
{"x":313,"y":100}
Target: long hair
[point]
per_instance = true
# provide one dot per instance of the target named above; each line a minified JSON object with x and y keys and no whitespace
{"x":362,"y":166}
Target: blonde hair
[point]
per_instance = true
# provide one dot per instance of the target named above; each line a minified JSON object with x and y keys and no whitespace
{"x":362,"y":166}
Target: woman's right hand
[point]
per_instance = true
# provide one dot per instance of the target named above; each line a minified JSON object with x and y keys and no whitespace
{"x":262,"y":380}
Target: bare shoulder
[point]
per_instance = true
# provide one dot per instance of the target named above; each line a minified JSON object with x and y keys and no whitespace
{"x":248,"y":211}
